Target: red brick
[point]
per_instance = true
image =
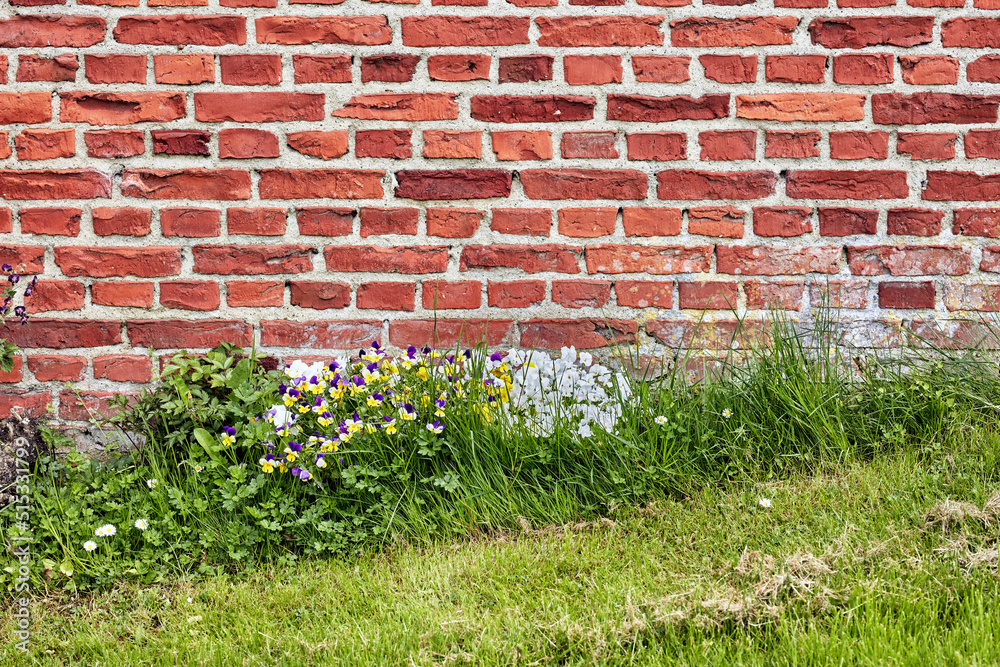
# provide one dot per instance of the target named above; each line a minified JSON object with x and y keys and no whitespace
{"x":781,"y":221}
{"x":658,"y":69}
{"x":522,"y":221}
{"x":582,"y":334}
{"x":180,"y":142}
{"x":383,"y":143}
{"x":189,"y":295}
{"x":39,"y":30}
{"x":197,"y":184}
{"x":123,"y":294}
{"x":123,"y":368}
{"x":535,"y":258}
{"x":971,"y":33}
{"x":839,"y":293}
{"x":399,"y":106}
{"x":479,"y":31}
{"x":921,"y":108}
{"x":583,"y":184}
{"x":515,"y":294}
{"x":257,"y":107}
{"x":728,"y":144}
{"x":983,"y":143}
{"x":445,"y":334}
{"x":324,"y":145}
{"x":252,"y":260}
{"x":31,"y":258}
{"x":741,"y":31}
{"x":865,"y":69}
{"x":857,"y":32}
{"x":177,"y":334}
{"x":318,"y":221}
{"x":250,"y":70}
{"x":23,"y":404}
{"x":62,"y":333}
{"x":587,"y":222}
{"x":38,"y":68}
{"x":357,"y":30}
{"x":532,"y":108}
{"x":781,"y":294}
{"x":6,"y":221}
{"x":644,"y":293}
{"x":184,"y":69}
{"x":25,"y":108}
{"x":376,"y":259}
{"x":906,"y":295}
{"x":823,"y":184}
{"x":5,"y":151}
{"x":651,"y":221}
{"x":390,"y":67}
{"x":444,"y":295}
{"x":120,"y":108}
{"x":336,"y":335}
{"x":387,"y":296}
{"x":836,"y":221}
{"x":114,"y":143}
{"x":812,"y":107}
{"x":378,"y":221}
{"x":453,"y":144}
{"x":646,"y":109}
{"x":50,"y":295}
{"x":658,"y":146}
{"x":56,"y":367}
{"x":588,"y":145}
{"x":914,"y":221}
{"x":912,"y":260}
{"x":242,"y":143}
{"x":654,"y":260}
{"x":976,"y":222}
{"x":522,"y":145}
{"x":335,"y":68}
{"x":704,"y":295}
{"x":256,"y":221}
{"x":783,"y":144}
{"x":320,"y":295}
{"x":453,"y":223}
{"x":473,"y":67}
{"x":115,"y":68}
{"x":929,"y":70}
{"x":972,"y":297}
{"x":776,"y":261}
{"x":967,"y":185}
{"x":593,"y":70}
{"x":686,"y":184}
{"x":927,"y":145}
{"x":729,"y":69}
{"x":795,"y":69}
{"x":984,"y":68}
{"x":454,"y":184}
{"x":255,"y":293}
{"x":181,"y":29}
{"x":719,"y":221}
{"x":45,"y":144}
{"x":51,"y":221}
{"x":16,"y":373}
{"x":111,"y":262}
{"x":581,"y":293}
{"x":859,"y":145}
{"x":320,"y":184}
{"x":190,"y":222}
{"x":524,"y":69}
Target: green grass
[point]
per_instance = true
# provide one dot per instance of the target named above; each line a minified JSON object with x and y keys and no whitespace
{"x":856,"y":563}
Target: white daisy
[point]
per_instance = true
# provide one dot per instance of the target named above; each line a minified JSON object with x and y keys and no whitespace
{"x":727,"y":413}
{"x":764,"y":502}
{"x":661,"y":420}
{"x":90,"y":545}
{"x":107,"y":530}
{"x":141,"y":524}
{"x":151,"y":483}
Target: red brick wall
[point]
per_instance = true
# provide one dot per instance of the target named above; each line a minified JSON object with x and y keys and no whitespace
{"x":311,"y":176}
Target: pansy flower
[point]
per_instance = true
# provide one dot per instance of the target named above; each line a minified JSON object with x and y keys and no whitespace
{"x":435,"y":427}
{"x":229,"y":436}
{"x":407,"y":413}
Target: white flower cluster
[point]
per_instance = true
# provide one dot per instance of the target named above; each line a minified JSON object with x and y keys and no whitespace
{"x":571,"y":387}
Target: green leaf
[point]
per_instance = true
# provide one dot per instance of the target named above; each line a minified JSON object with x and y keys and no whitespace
{"x":66,"y":568}
{"x":207,"y":441}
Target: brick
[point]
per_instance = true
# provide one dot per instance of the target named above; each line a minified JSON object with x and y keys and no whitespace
{"x":582,"y":334}
{"x":795,"y":69}
{"x":983,"y":298}
{"x":54,"y":295}
{"x":982,"y":143}
{"x":741,"y":31}
{"x":180,"y":142}
{"x":587,"y":222}
{"x":324,"y":145}
{"x":6,"y":221}
{"x":255,"y":293}
{"x":447,"y":295}
{"x":37,"y":68}
{"x":25,"y":108}
{"x":686,"y":184}
{"x":581,"y":293}
{"x":654,"y":260}
{"x":522,"y":145}
{"x":115,"y":68}
{"x":478,"y":31}
{"x":197,"y":184}
{"x":257,"y":107}
{"x":801,"y":106}
{"x":927,"y":145}
{"x":780,"y":144}
{"x":378,"y":221}
{"x":256,"y":221}
{"x":929,"y":70}
{"x":108,"y":262}
{"x":657,"y":146}
{"x":453,"y":184}
{"x":866,"y":69}
{"x":356,"y":30}
{"x":857,"y":32}
{"x":122,"y":294}
{"x":658,"y":69}
{"x":522,"y":221}
{"x":123,"y":368}
{"x":651,"y":221}
{"x":402,"y":106}
{"x":189,"y":295}
{"x":894,"y":294}
{"x":453,"y":144}
{"x":719,"y":221}
{"x":839,"y":293}
{"x":62,"y":333}
{"x":583,"y":184}
{"x":781,"y":221}
{"x":859,"y":145}
{"x":320,"y":221}
{"x":393,"y":144}
{"x":178,"y":334}
{"x":971,"y":33}
{"x":922,"y":108}
{"x":452,"y":334}
{"x":54,"y":184}
{"x":31,"y":258}
{"x":126,"y":221}
{"x":914,"y":221}
{"x":184,"y":69}
{"x":976,"y":222}
{"x":51,"y":221}
{"x":781,"y":294}
{"x":912,"y":260}
{"x":376,"y":259}
{"x":532,"y":108}
{"x":824,"y":184}
{"x":963,"y":185}
{"x":729,"y":68}
{"x":56,"y":367}
{"x":647,"y":109}
{"x":523,"y":69}
{"x":181,"y":29}
{"x":320,"y":295}
{"x":776,"y":260}
{"x":472,"y":67}
{"x":705,"y":295}
{"x":335,"y":68}
{"x":45,"y":144}
{"x":644,"y":293}
{"x":535,"y":258}
{"x":599,"y":30}
{"x":241,"y":143}
{"x":390,"y":67}
{"x":590,"y":145}
{"x":387,"y":296}
{"x":120,"y":108}
{"x":22,"y":403}
{"x":16,"y":373}
{"x":39,"y":30}
{"x":250,"y":70}
{"x":515,"y":293}
{"x":320,"y":184}
{"x":838,"y":221}
{"x":190,"y":222}
{"x":453,"y":223}
{"x":592,"y":70}
{"x":984,"y":68}
{"x":728,"y":144}
{"x":87,"y":405}
{"x":114,"y":143}
{"x":328,"y":335}
{"x":252,"y":260}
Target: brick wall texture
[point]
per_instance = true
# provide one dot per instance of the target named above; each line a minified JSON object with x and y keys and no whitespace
{"x":309,"y":176}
